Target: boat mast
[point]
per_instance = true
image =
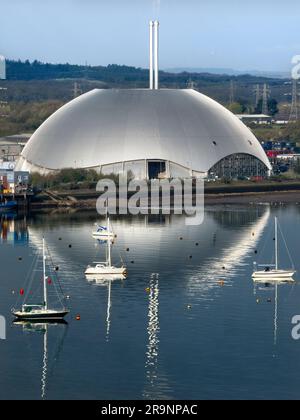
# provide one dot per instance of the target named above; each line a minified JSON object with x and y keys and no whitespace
{"x":44,"y":275}
{"x":276,"y":243}
{"x":108,"y":243}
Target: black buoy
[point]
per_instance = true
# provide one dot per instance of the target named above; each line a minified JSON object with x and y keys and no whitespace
{"x":255,"y":252}
{"x":127,"y":249}
{"x":197,"y":244}
{"x":56,"y":268}
{"x":190,"y":257}
{"x":70,"y":246}
{"x":60,"y":239}
{"x":132,"y":262}
{"x":20,"y":258}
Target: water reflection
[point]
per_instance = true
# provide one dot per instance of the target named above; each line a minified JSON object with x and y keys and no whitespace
{"x":177,"y":265}
{"x":221,"y":267}
{"x":106,"y":281}
{"x":48,"y":363}
{"x":153,"y":338}
{"x":13,"y":230}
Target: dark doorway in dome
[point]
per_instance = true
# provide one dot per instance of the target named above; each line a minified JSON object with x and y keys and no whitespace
{"x":156,"y":169}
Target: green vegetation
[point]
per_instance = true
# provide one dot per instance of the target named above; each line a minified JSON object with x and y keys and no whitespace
{"x":26,"y":117}
{"x":272,"y":107}
{"x":72,"y":179}
{"x":18,"y":70}
{"x":289,"y":132}
{"x":236,"y":108}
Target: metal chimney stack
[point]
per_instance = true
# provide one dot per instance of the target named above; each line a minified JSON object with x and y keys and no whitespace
{"x":151,"y":75}
{"x":154,"y":61}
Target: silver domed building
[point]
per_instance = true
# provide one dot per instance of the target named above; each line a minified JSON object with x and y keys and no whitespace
{"x":151,"y":132}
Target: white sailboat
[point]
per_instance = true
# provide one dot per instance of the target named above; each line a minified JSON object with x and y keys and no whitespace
{"x":104,"y":232}
{"x":271,"y":272}
{"x":41,"y":311}
{"x":106,"y":268}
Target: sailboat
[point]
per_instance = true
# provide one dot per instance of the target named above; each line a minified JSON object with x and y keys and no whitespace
{"x":106,"y":268}
{"x":41,"y":311}
{"x":104,"y":232}
{"x":272,"y":272}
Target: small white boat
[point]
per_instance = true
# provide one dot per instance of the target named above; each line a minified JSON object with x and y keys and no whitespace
{"x":104,"y":232}
{"x":272,"y":272}
{"x":106,"y":268}
{"x":41,"y":311}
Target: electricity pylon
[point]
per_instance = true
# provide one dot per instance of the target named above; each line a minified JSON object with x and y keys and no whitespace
{"x":294,"y":114}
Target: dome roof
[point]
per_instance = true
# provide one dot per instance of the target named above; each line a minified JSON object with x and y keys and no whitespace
{"x":103,"y":127}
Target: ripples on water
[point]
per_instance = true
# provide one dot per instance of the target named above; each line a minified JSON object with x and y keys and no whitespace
{"x":186,"y":323}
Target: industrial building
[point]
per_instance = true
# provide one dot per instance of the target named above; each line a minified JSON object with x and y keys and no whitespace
{"x":153,"y":133}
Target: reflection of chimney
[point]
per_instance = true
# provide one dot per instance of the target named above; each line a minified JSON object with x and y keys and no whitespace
{"x":151,"y":56}
{"x":156,"y":65}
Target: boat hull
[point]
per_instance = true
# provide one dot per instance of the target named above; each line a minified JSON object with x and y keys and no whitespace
{"x":110,"y":271}
{"x":274,"y":275}
{"x":103,"y":237}
{"x":10,"y":205}
{"x":40,"y":316}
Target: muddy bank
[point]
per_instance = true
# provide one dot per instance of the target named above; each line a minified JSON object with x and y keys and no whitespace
{"x":87,"y":200}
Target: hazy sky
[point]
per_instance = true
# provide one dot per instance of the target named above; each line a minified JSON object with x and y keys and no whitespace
{"x":253,"y":34}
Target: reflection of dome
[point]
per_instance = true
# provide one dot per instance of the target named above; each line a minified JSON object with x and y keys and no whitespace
{"x":146,"y":131}
{"x":154,"y":247}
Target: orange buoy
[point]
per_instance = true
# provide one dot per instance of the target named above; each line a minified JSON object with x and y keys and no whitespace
{"x":221,"y":282}
{"x":78,"y":317}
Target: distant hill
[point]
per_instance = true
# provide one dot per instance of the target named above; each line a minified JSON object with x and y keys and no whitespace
{"x":120,"y":75}
{"x":231,"y":72}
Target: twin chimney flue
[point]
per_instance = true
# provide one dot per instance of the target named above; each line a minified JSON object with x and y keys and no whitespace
{"x":154,"y":57}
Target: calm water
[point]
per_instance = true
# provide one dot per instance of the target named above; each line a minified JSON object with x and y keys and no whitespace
{"x":187,"y":323}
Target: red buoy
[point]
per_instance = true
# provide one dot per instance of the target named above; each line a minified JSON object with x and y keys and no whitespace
{"x":22,"y":291}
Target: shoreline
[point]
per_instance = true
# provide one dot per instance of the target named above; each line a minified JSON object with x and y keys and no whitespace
{"x":80,"y":201}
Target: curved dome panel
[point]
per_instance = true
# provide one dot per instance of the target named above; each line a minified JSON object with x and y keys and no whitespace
{"x":103,"y":127}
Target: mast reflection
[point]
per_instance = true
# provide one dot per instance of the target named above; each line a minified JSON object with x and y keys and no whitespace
{"x":153,"y":337}
{"x":43,"y":328}
{"x":106,"y":281}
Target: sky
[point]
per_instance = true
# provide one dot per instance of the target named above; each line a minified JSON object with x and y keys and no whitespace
{"x":242,"y":35}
